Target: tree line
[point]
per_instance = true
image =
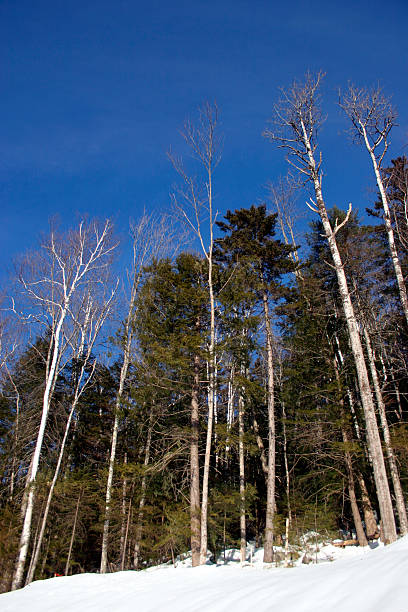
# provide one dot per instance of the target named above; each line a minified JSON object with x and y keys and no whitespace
{"x":220,"y":392}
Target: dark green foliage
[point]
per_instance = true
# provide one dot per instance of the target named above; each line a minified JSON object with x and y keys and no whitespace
{"x":316,"y":400}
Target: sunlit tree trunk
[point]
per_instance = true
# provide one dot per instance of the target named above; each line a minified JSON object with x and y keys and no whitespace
{"x":195,"y":522}
{"x":270,"y":486}
{"x":242,"y":477}
{"x":298,"y":119}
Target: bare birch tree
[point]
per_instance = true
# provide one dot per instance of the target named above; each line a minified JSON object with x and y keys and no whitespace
{"x":195,"y":204}
{"x":297,"y":121}
{"x":89,"y":320}
{"x":372,"y":117}
{"x":283,"y":199}
{"x":152,"y":237}
{"x":67,"y":264}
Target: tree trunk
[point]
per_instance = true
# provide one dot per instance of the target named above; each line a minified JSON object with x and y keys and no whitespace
{"x":270,"y":490}
{"x":369,"y":518}
{"x":139,"y":524}
{"x":195,"y":522}
{"x":124,"y":514}
{"x":285,"y":457}
{"x":123,"y":558}
{"x":71,"y":543}
{"x":242,"y":477}
{"x":388,"y":226}
{"x":260,"y":445}
{"x":123,"y":375}
{"x":105,"y":536}
{"x":211,"y":391}
{"x":399,"y":496}
{"x":26,"y":530}
{"x":36,"y":553}
{"x":361,"y":536}
{"x":373,"y":437}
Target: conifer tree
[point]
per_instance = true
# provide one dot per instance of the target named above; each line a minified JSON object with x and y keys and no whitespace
{"x":249,"y":241}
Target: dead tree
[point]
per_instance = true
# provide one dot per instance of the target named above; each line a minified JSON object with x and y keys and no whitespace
{"x":152,"y":237}
{"x":66,"y":265}
{"x":372,"y":117}
{"x":195,"y":204}
{"x":89,"y":320}
{"x":297,"y":121}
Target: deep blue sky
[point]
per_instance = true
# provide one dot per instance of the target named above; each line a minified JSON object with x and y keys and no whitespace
{"x":94,"y":93}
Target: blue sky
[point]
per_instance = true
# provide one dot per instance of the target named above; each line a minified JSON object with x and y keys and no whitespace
{"x":94,"y":94}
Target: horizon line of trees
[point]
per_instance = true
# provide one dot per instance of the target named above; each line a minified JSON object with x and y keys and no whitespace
{"x":248,"y":389}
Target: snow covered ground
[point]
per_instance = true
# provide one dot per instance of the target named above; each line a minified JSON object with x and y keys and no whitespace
{"x":359,"y":580}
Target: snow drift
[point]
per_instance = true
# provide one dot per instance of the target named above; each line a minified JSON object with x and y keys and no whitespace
{"x":363,"y":580}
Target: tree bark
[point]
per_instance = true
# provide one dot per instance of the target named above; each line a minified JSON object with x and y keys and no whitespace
{"x":373,"y":437}
{"x":195,"y":522}
{"x":369,"y":518}
{"x":242,"y":477}
{"x":26,"y":530}
{"x":211,"y":386}
{"x":399,"y":496}
{"x":270,"y":487}
{"x":37,"y":548}
{"x":388,"y":225}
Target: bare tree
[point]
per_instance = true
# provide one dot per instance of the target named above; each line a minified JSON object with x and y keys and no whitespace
{"x":89,"y":319}
{"x":271,"y":475}
{"x":282,"y":195}
{"x":372,"y":117}
{"x":241,"y":433}
{"x":195,"y":203}
{"x":297,"y":121}
{"x":9,"y":341}
{"x":152,"y":237}
{"x":396,"y":181}
{"x":66,"y":265}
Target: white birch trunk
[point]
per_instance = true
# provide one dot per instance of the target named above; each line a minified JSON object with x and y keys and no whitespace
{"x":270,"y":490}
{"x":242,"y":478}
{"x":122,"y":379}
{"x":211,"y":387}
{"x":105,"y":535}
{"x":26,"y":530}
{"x":195,"y":522}
{"x":36,"y":552}
{"x":388,"y":225}
{"x":373,"y":437}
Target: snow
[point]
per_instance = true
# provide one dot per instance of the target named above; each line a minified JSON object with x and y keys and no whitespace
{"x":359,"y":580}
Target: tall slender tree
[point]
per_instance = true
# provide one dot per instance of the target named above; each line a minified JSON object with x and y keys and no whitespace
{"x":297,"y":120}
{"x":249,"y":241}
{"x":67,"y":265}
{"x":194,"y":201}
{"x":372,"y":118}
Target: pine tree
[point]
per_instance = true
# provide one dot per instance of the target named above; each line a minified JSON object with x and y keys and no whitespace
{"x":249,"y":241}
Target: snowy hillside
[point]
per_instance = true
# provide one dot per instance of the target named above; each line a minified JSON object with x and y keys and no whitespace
{"x":362,"y":580}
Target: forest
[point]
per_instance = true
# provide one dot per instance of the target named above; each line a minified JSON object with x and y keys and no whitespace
{"x":237,"y":382}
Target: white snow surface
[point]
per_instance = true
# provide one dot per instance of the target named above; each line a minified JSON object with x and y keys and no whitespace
{"x":359,"y":580}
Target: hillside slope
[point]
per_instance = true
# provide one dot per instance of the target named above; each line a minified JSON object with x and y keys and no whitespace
{"x":368,"y":581}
